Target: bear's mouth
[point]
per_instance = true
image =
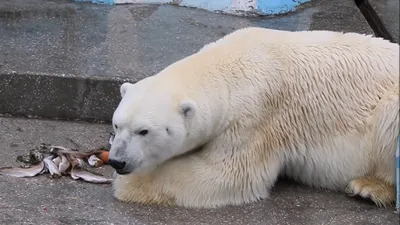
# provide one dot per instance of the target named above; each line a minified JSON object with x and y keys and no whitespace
{"x":122,"y":172}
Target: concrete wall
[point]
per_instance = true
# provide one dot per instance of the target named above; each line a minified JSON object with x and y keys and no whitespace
{"x":239,"y":7}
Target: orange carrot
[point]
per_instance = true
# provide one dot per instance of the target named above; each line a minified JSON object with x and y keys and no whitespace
{"x":103,"y":156}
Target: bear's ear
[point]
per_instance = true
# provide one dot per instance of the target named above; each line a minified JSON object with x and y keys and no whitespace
{"x":187,"y":108}
{"x":124,"y":87}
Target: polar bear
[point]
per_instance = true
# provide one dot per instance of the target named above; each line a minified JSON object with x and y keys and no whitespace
{"x":220,"y":126}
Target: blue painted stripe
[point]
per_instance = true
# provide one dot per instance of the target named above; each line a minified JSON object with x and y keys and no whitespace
{"x":207,"y":4}
{"x":264,"y":7}
{"x":398,"y":162}
{"x":278,"y":6}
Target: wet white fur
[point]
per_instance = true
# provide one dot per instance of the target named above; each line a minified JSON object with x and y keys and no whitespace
{"x":321,"y":107}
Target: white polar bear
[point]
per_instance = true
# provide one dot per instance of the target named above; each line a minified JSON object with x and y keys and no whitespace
{"x":218,"y":127}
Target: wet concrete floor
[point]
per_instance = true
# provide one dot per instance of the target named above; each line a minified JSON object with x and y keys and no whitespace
{"x":60,"y":37}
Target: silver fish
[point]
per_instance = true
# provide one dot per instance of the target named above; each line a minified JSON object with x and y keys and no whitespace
{"x":57,"y":160}
{"x":114,"y":174}
{"x":23,"y":172}
{"x":76,"y":162}
{"x":62,"y":150}
{"x":95,"y":161}
{"x":89,"y":177}
{"x":80,"y":163}
{"x":64,"y":165}
{"x":51,"y":166}
{"x":45,"y":170}
{"x":51,"y":157}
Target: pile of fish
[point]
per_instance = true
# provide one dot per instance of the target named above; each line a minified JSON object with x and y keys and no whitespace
{"x":59,"y":161}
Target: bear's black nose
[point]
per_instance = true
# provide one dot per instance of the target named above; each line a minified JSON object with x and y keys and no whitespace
{"x":116,"y":164}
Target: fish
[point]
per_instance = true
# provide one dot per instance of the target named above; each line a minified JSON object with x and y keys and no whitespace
{"x":95,"y":161}
{"x":89,"y":177}
{"x":45,"y":170}
{"x":64,"y":165}
{"x":30,"y":158}
{"x":81,"y":163}
{"x":62,"y":150}
{"x":52,"y":147}
{"x":57,"y":160}
{"x":44,"y":148}
{"x":114,"y":174}
{"x":23,"y":172}
{"x":51,"y":157}
{"x":76,"y":162}
{"x":51,"y":166}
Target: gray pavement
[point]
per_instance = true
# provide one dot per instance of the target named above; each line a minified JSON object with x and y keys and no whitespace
{"x":388,"y":11}
{"x":41,"y":200}
{"x":60,"y":37}
{"x":66,"y":60}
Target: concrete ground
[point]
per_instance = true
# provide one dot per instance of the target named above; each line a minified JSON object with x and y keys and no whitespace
{"x":66,"y":60}
{"x":41,"y":200}
{"x":388,"y":11}
{"x":60,"y":37}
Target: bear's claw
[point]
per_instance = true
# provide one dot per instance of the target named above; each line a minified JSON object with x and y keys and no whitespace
{"x":380,"y":192}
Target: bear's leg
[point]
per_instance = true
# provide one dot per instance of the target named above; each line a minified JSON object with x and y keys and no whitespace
{"x":382,"y":193}
{"x":196,"y":181}
{"x":379,"y":185}
{"x":140,"y":189}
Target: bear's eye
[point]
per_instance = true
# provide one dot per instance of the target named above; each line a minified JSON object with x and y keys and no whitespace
{"x":143,"y":132}
{"x":116,"y":127}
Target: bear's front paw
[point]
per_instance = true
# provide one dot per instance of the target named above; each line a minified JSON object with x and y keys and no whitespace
{"x":140,"y":189}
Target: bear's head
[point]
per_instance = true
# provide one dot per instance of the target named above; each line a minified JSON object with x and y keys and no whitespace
{"x":151,"y":125}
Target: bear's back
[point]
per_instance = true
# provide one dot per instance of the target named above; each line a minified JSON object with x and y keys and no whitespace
{"x":316,"y":80}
